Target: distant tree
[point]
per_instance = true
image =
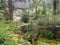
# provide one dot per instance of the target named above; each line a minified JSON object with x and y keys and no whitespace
{"x":44,"y":7}
{"x":35,"y":3}
{"x":54,"y":6}
{"x":10,"y":9}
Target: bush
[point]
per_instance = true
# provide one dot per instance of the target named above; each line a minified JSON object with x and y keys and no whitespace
{"x":48,"y":34}
{"x":58,"y":34}
{"x":2,"y":38}
{"x":25,"y":18}
{"x":5,"y":31}
{"x":3,"y":11}
{"x":33,"y":33}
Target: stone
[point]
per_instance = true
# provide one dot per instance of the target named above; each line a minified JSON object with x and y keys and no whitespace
{"x":23,"y":28}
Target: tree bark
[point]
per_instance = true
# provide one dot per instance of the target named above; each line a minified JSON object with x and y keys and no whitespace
{"x":10,"y":9}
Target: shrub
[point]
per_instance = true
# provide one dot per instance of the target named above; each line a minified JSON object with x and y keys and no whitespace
{"x":5,"y":31}
{"x":33,"y":33}
{"x":31,"y":30}
{"x":58,"y":34}
{"x":48,"y":34}
{"x":25,"y":18}
{"x":2,"y":38}
{"x":3,"y":11}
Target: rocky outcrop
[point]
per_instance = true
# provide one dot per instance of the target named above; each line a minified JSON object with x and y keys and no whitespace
{"x":17,"y":15}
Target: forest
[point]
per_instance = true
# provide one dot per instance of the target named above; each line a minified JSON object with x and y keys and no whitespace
{"x":29,"y":22}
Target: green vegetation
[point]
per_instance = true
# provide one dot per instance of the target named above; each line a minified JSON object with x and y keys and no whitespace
{"x":39,"y":24}
{"x":25,"y":18}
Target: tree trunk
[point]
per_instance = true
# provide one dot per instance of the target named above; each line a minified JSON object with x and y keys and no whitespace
{"x":54,"y":11}
{"x":10,"y":9}
{"x":36,"y":12}
{"x":54,"y":6}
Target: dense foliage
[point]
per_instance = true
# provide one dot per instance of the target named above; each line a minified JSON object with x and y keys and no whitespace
{"x":3,"y":11}
{"x":39,"y":25}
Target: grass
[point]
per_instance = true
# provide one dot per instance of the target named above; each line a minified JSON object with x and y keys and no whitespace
{"x":43,"y":41}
